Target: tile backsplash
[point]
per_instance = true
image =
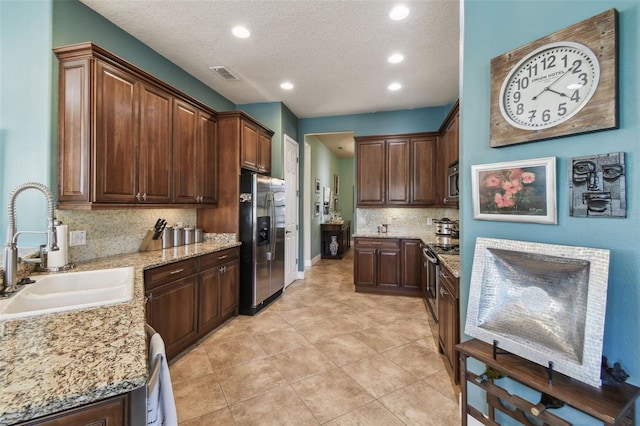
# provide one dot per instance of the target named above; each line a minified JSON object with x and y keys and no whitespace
{"x":112,"y":232}
{"x":401,"y":220}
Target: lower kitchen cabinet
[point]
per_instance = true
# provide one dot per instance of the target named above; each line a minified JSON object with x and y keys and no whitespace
{"x":112,"y":411}
{"x":188,"y":299}
{"x":380,"y":267}
{"x":449,"y":319}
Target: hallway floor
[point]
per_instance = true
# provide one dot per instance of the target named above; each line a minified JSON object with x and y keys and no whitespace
{"x":319,"y":354}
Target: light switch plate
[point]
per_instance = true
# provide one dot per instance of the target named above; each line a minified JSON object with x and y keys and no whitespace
{"x":77,"y":238}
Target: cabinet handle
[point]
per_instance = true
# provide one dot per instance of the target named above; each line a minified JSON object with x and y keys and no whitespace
{"x":443,"y":292}
{"x":144,"y":196}
{"x":445,"y":200}
{"x":138,"y":197}
{"x":177,"y":271}
{"x":148,"y":298}
{"x":223,"y":257}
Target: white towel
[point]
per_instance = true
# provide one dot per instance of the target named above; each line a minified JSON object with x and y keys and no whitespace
{"x":161,"y":407}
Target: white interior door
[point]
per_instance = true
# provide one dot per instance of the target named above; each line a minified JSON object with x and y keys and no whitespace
{"x":291,"y":210}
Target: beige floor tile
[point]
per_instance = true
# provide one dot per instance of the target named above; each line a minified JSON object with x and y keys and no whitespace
{"x":243,"y":381}
{"x":416,"y":359}
{"x":197,"y":397}
{"x":234,"y":329}
{"x":286,"y":303}
{"x":373,"y":413}
{"x":331,"y":394}
{"x":281,"y":340}
{"x":418,"y":404}
{"x":378,"y":375}
{"x":315,"y":331}
{"x":302,"y":315}
{"x":233,"y":352}
{"x":191,"y":365}
{"x":266,"y":321}
{"x":280,"y":406}
{"x":344,"y":349}
{"x":381,"y":338}
{"x":221,"y":417}
{"x":301,"y":363}
{"x":442,"y":382}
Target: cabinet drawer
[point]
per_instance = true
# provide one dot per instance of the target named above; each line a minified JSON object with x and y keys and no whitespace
{"x":381,"y":243}
{"x":212,"y":260}
{"x":450,"y":282}
{"x":174,"y":271}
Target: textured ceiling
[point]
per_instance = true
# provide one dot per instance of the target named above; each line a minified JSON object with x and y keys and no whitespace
{"x":334,"y":52}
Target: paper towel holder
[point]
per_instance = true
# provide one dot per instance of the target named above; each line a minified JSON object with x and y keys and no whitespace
{"x":44,"y":255}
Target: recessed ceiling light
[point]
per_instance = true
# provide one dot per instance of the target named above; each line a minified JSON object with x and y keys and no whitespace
{"x":286,"y":85}
{"x":240,"y":31}
{"x":398,"y":13}
{"x":395,"y":86}
{"x":395,"y":58}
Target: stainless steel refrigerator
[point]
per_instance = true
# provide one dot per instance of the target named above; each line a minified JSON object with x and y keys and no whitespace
{"x":262,"y":203}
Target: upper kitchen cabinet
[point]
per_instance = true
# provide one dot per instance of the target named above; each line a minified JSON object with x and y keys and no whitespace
{"x":448,"y":154}
{"x":396,"y":170}
{"x":255,"y":145}
{"x":123,"y":139}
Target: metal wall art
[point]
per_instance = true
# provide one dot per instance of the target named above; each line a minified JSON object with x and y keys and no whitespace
{"x":543,"y":302}
{"x":597,"y":186}
{"x":515,"y":191}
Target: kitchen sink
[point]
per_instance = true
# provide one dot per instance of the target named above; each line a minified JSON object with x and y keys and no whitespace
{"x":70,"y":291}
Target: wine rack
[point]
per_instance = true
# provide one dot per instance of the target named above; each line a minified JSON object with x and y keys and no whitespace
{"x":613,"y":405}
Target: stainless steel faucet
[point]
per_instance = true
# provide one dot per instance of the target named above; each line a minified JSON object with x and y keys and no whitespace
{"x":10,"y":278}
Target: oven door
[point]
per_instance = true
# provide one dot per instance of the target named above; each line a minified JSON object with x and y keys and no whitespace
{"x":432,"y":286}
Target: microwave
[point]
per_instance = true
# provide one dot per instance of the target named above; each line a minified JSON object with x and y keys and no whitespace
{"x":452,"y":183}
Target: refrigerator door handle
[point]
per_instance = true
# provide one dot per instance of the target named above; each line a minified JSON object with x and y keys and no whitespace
{"x":272,"y":218}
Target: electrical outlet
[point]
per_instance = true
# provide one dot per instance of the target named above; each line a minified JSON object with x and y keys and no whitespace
{"x":77,"y":238}
{"x":429,"y":221}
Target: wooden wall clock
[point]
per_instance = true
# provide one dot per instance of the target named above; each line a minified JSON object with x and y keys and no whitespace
{"x":559,"y":85}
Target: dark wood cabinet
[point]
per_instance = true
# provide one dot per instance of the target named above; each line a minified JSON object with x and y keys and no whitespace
{"x":128,"y":139}
{"x":387,"y":266}
{"x":194,"y":154}
{"x":342,"y":234}
{"x":112,"y":411}
{"x":255,"y":146}
{"x":449,"y":319}
{"x":396,"y":170}
{"x":411,"y":257}
{"x":448,"y":148}
{"x":188,"y":299}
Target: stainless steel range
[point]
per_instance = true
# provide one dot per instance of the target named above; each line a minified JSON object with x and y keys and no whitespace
{"x":430,"y":256}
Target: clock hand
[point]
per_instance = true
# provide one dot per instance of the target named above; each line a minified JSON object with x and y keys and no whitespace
{"x":552,"y":83}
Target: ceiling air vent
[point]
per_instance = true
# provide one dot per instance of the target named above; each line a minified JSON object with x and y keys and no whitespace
{"x":224,"y":73}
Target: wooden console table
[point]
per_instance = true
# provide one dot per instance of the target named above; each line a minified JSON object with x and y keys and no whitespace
{"x":342,"y":232}
{"x":612,"y":405}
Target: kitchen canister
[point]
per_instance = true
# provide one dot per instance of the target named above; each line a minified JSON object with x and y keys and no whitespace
{"x":189,"y":237}
{"x":167,"y":237}
{"x":198,"y":235}
{"x":178,"y":236}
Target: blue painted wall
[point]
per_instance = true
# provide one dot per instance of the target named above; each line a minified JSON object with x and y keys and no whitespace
{"x":494,"y":27}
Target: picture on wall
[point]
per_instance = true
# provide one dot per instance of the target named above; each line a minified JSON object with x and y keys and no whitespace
{"x":317,"y":209}
{"x":317,"y":186}
{"x":336,"y":184}
{"x":515,"y":191}
{"x":597,"y":186}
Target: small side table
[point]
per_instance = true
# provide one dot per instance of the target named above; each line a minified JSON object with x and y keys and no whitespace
{"x":342,"y":232}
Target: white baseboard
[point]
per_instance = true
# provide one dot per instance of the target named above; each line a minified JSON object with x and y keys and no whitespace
{"x":316,"y":259}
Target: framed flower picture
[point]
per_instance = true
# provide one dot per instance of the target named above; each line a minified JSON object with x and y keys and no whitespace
{"x":515,"y":191}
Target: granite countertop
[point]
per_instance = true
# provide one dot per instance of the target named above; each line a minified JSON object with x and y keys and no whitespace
{"x":450,"y":261}
{"x":54,"y":362}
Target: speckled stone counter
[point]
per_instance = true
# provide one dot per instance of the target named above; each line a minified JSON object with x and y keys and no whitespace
{"x":451,"y":262}
{"x":54,"y":362}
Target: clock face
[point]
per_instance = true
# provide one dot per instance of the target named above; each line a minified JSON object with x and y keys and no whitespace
{"x":549,"y":86}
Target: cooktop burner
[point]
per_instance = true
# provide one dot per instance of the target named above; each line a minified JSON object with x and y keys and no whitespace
{"x":445,"y":248}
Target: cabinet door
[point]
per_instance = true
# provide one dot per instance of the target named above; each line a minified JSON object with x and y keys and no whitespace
{"x":172,"y":312}
{"x":115,"y":153}
{"x":411,"y":257}
{"x":229,"y":288}
{"x":113,"y":411}
{"x":264,"y":153}
{"x":209,"y":300}
{"x":249,"y":146}
{"x":423,"y":172}
{"x":208,"y":165}
{"x":155,"y":154}
{"x":446,"y":324}
{"x":397,"y":162}
{"x":365,"y":266}
{"x":370,"y":174}
{"x":185,"y":153}
{"x":389,"y":268}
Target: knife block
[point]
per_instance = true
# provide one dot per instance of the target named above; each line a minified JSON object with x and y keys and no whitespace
{"x":149,"y":244}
